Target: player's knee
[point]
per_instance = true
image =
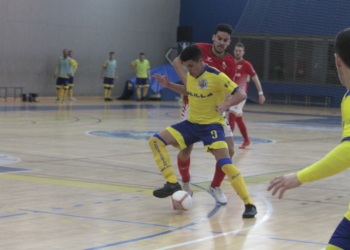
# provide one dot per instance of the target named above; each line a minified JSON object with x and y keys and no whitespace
{"x":231,"y":152}
{"x":156,"y":141}
{"x":184,"y":155}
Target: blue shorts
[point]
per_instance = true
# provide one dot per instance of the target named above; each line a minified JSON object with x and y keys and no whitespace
{"x":108,"y":82}
{"x":71,"y":80}
{"x":142,"y":81}
{"x":341,"y":235}
{"x":61,"y":81}
{"x":187,"y":133}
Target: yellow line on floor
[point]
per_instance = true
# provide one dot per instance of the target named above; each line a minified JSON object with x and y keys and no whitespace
{"x":76,"y":183}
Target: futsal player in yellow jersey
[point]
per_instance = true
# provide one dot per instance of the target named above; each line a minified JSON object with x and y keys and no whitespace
{"x":65,"y":67}
{"x":71,"y":78}
{"x":206,"y":88}
{"x":141,"y":67}
{"x":338,"y":159}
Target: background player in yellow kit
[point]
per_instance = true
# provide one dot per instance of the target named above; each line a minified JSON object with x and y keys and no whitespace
{"x":142,"y":68}
{"x":205,"y":88}
{"x":71,"y":78}
{"x":108,"y":74}
{"x":339,"y":158}
{"x":64,"y":69}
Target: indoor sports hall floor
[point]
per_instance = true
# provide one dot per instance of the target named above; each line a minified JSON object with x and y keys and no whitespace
{"x":80,"y":175}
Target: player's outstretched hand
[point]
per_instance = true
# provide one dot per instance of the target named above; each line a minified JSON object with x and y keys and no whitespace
{"x":163,"y":80}
{"x":261,"y":99}
{"x":220,"y":108}
{"x":282,"y":183}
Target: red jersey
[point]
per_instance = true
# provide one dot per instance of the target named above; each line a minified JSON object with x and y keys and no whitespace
{"x":225,"y":63}
{"x":244,"y":71}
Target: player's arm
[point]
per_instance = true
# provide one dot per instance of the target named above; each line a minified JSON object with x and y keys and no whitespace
{"x":73,"y":63}
{"x":237,"y":96}
{"x":56,"y":70}
{"x":257,"y":83}
{"x":103,"y":69}
{"x":115,"y":70}
{"x":132,"y":66}
{"x":179,"y":68}
{"x":333,"y":163}
{"x":164,"y":81}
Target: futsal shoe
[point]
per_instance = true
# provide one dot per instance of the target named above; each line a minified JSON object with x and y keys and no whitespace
{"x":250,"y":211}
{"x":218,"y":194}
{"x":186,"y":186}
{"x":167,"y":190}
{"x":245,"y":144}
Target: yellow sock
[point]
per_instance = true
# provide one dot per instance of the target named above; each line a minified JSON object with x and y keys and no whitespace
{"x":237,"y":182}
{"x":70,"y":92}
{"x":65,"y":92}
{"x":109,"y":93}
{"x":61,"y":93}
{"x":106,"y":93}
{"x":138,"y":93}
{"x":162,"y":158}
{"x":332,"y":247}
{"x":145,"y":90}
{"x":58,"y":93}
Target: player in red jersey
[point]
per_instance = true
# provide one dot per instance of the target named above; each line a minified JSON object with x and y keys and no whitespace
{"x":214,"y":55}
{"x":244,"y":72}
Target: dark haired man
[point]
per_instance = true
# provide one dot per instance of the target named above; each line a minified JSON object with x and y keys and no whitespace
{"x":108,"y":74}
{"x":244,"y":72}
{"x":338,"y":159}
{"x":206,"y":88}
{"x":214,"y":55}
{"x":142,"y":67}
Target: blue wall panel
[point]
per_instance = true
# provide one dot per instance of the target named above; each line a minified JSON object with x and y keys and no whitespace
{"x":204,"y":15}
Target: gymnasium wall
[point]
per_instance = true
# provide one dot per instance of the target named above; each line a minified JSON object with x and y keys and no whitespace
{"x":34,"y":33}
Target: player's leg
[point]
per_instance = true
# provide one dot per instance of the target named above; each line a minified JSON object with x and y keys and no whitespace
{"x":145,"y":89}
{"x":219,"y":175}
{"x":183,"y":158}
{"x":183,"y":163}
{"x":58,"y":88}
{"x":111,"y":85}
{"x":340,"y":239}
{"x":70,"y":89}
{"x":65,"y":89}
{"x":241,"y":125}
{"x":214,"y":141}
{"x":138,"y":88}
{"x":232,"y":115}
{"x":174,"y":135}
{"x":105,"y":88}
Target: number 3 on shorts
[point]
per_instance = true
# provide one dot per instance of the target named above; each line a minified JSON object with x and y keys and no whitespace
{"x":214,"y":134}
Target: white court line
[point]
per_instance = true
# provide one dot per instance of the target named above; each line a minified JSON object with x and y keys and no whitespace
{"x":263,"y":220}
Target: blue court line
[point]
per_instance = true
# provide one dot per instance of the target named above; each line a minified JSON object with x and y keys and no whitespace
{"x":94,"y":218}
{"x":85,"y":107}
{"x":214,"y":211}
{"x":12,"y":215}
{"x":210,"y":214}
{"x":273,"y":238}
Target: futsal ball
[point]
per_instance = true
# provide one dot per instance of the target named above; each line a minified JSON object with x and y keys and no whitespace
{"x":181,"y":201}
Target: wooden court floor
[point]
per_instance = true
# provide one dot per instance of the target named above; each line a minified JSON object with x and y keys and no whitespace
{"x":80,"y":175}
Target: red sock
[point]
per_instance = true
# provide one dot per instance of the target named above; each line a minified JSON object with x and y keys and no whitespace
{"x":232,"y":120}
{"x":184,"y":169}
{"x":242,"y":128}
{"x":218,"y":176}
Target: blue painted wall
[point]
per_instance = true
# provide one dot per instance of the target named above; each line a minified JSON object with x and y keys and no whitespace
{"x":291,"y":17}
{"x":204,"y":15}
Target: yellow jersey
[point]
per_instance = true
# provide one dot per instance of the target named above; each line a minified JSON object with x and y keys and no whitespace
{"x":338,"y":159}
{"x":205,"y":92}
{"x":345,"y":114}
{"x":142,"y":68}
